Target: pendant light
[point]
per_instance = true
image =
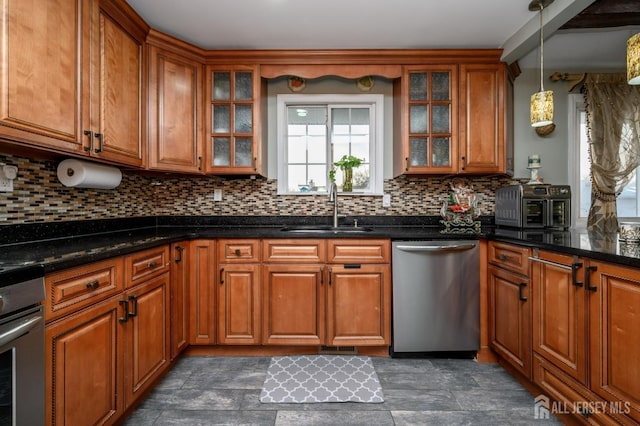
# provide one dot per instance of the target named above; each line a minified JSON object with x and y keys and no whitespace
{"x":541,"y":101}
{"x":633,"y":59}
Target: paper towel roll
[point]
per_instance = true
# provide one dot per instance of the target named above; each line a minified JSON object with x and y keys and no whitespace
{"x":83,"y":174}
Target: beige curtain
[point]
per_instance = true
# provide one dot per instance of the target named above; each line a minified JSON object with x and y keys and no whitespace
{"x":613,"y":121}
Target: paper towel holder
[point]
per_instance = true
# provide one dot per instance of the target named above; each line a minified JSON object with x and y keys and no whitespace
{"x":76,"y":173}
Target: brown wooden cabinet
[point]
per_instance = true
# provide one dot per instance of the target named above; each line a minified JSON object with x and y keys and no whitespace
{"x":179,"y":297}
{"x":559,"y":312}
{"x":482,"y":119}
{"x":147,"y":335}
{"x":89,"y":101}
{"x":614,"y":347}
{"x":106,"y":337}
{"x":175,"y":111}
{"x":293,"y":291}
{"x":451,"y":119}
{"x":202,"y":292}
{"x":359,"y":305}
{"x":85,"y":366}
{"x":235,"y":143}
{"x":509,"y":305}
{"x":327,"y":292}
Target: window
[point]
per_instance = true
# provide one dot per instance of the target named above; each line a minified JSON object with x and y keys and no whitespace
{"x":316,"y":130}
{"x":628,"y":203}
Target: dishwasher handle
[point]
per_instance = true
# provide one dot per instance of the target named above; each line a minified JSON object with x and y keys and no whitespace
{"x":436,"y":248}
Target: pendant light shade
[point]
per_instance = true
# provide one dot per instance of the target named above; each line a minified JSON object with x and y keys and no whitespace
{"x":541,"y":101}
{"x":542,"y":108}
{"x":633,"y":59}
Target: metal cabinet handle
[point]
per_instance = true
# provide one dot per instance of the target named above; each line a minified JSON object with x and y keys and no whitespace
{"x":92,"y":285}
{"x":574,"y":274}
{"x":406,"y":159}
{"x":90,"y":134}
{"x":221,"y":276}
{"x":200,"y":163}
{"x":464,"y":162}
{"x":330,"y":272}
{"x":152,"y":264}
{"x":587,"y":278}
{"x":124,"y":318}
{"x":134,"y":304}
{"x":321,"y":275}
{"x":237,"y":252}
{"x":100,"y":137}
{"x":352,"y":266}
{"x":521,"y":296}
{"x":179,"y":250}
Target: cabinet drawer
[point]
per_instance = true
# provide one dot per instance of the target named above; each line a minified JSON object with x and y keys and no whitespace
{"x":509,"y":256}
{"x":75,"y":288}
{"x":146,"y":264}
{"x":359,"y":251}
{"x":282,"y":250}
{"x":238,"y":251}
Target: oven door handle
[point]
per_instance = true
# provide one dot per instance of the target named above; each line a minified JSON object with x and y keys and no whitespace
{"x":23,"y":327}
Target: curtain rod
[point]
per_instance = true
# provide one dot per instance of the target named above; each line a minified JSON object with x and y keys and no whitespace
{"x":572,"y":79}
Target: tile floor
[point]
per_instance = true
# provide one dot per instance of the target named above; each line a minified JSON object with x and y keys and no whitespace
{"x":226,"y":390}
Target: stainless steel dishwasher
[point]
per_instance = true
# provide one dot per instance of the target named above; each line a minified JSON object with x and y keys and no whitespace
{"x":436,"y":305}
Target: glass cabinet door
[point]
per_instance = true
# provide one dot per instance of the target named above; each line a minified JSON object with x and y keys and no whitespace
{"x":232,"y":121}
{"x":430,"y":109}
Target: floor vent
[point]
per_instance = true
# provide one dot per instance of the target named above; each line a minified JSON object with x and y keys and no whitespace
{"x":342,"y":350}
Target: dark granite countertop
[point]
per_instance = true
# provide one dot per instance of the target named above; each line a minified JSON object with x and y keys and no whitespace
{"x":59,"y":246}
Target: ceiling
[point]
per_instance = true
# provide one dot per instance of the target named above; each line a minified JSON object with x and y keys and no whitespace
{"x":397,"y":24}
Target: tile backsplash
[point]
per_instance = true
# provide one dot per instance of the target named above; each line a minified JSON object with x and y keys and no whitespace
{"x":38,"y":196}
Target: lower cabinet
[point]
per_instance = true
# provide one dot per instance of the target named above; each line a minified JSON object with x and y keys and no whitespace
{"x":202,"y":267}
{"x":510,"y":305}
{"x":101,"y":356}
{"x":85,"y":366}
{"x":239,"y":304}
{"x":358,"y":311}
{"x":293,"y":301}
{"x":179,"y":298}
{"x":146,"y":325}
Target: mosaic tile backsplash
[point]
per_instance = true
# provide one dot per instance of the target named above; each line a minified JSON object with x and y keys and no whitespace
{"x":38,"y":196}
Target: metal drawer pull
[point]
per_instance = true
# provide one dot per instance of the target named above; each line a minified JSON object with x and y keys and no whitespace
{"x":238,"y":252}
{"x":453,"y":247}
{"x":124,"y":318}
{"x":574,"y":274}
{"x":134,"y":304}
{"x":587,"y":278}
{"x":547,"y":262}
{"x":152,"y":264}
{"x":521,"y":296}
{"x":92,"y":285}
{"x":352,"y":266}
{"x":179,"y":249}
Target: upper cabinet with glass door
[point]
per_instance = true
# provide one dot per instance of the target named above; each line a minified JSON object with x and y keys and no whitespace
{"x":428,"y":139}
{"x":234,"y":145}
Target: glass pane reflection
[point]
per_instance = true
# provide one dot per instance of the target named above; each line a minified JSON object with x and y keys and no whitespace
{"x":221,"y":86}
{"x":418,"y":86}
{"x":440,"y":122}
{"x":441,"y":152}
{"x":440,"y":85}
{"x":221,"y":152}
{"x":419,"y":118}
{"x":243,"y":86}
{"x":243,"y":121}
{"x":243,"y":152}
{"x":221,"y":119}
{"x":418,"y":152}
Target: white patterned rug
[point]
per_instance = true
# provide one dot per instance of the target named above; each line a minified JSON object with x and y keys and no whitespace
{"x":321,"y":378}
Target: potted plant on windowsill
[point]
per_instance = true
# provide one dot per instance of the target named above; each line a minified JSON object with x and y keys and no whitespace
{"x":347,"y":163}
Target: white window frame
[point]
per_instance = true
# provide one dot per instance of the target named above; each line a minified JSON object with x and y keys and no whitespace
{"x":376,"y":148}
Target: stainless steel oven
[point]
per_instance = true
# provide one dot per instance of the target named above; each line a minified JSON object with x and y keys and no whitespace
{"x":534,"y":206}
{"x":22,"y":375}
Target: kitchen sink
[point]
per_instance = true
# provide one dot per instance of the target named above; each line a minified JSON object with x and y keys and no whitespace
{"x":311,"y":229}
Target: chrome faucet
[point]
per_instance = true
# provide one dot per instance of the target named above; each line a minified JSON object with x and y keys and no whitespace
{"x":333,"y":197}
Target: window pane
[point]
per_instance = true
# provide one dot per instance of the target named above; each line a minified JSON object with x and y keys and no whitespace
{"x":317,"y":178}
{"x":221,"y":119}
{"x":440,"y":86}
{"x":340,"y":116}
{"x":418,"y":151}
{"x":418,"y":86}
{"x":244,"y":119}
{"x":441,"y":152}
{"x":221,"y":86}
{"x":243,"y":152}
{"x":317,"y":148}
{"x":243,"y":87}
{"x":360,"y":116}
{"x":440,"y":119}
{"x":419,"y":117}
{"x":361,"y":181}
{"x":221,"y":152}
{"x":297,"y":149}
{"x":297,"y":177}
